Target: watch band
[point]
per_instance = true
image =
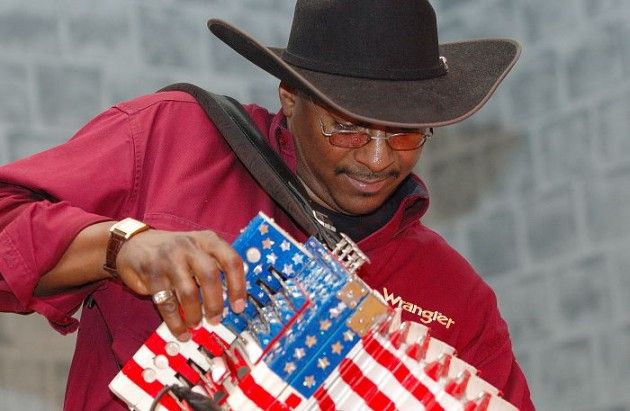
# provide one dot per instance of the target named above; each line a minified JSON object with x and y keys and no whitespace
{"x":120,"y":233}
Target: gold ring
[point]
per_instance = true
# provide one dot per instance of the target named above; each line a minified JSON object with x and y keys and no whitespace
{"x":162,"y":296}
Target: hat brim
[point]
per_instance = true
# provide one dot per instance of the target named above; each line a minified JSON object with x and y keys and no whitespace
{"x":475,"y":69}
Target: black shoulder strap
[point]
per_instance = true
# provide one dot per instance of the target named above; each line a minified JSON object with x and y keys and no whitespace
{"x":263,"y":163}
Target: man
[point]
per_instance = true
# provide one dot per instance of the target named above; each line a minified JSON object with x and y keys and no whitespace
{"x":360,"y":89}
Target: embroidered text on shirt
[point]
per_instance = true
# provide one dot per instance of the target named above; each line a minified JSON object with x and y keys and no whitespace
{"x":426,"y":316}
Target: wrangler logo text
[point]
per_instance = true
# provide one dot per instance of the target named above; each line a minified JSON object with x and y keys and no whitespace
{"x":426,"y":316}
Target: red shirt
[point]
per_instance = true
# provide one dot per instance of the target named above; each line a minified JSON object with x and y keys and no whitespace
{"x":158,"y":159}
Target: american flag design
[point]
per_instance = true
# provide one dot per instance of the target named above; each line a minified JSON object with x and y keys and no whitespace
{"x":313,"y":337}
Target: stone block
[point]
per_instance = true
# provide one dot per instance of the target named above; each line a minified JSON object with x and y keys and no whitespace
{"x":534,"y":86}
{"x":492,"y":243}
{"x":14,"y":104}
{"x":124,"y":86}
{"x":565,"y":150}
{"x":618,"y":33}
{"x":29,"y":27}
{"x":59,"y":370}
{"x":447,"y":5}
{"x":46,"y":343}
{"x":68,"y":95}
{"x":583,"y":293}
{"x":607,"y":211}
{"x":506,"y":164}
{"x":567,"y":375}
{"x":615,"y":364}
{"x":530,"y":364}
{"x":595,"y":9}
{"x":616,"y":406}
{"x":101,"y":30}
{"x":449,"y":232}
{"x":594,"y":66}
{"x":23,"y":384}
{"x":502,"y":14}
{"x":474,"y":21}
{"x":5,"y":152}
{"x":12,"y":399}
{"x":274,"y":5}
{"x":265,"y":94}
{"x":551,"y":222}
{"x":526,"y":360}
{"x":454,"y":185}
{"x":225,"y":61}
{"x":620,"y":269}
{"x":34,"y":364}
{"x":171,"y":38}
{"x":465,"y":162}
{"x":443,"y":143}
{"x":5,"y":338}
{"x":25,"y":142}
{"x":451,"y":27}
{"x":192,"y":3}
{"x":551,"y":19}
{"x":267,"y":29}
{"x":526,"y":306}
{"x":613,"y":130}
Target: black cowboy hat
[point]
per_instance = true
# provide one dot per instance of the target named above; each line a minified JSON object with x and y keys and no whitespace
{"x":379,"y":61}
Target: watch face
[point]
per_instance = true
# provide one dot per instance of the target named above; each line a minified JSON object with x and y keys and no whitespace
{"x":128,"y":227}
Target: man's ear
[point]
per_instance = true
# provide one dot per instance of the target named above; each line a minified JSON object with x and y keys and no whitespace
{"x":287,"y":96}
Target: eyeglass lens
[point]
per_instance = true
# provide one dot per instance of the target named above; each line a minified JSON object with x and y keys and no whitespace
{"x":402,"y":141}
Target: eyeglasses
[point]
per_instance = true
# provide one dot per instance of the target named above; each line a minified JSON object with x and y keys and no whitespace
{"x":352,"y":136}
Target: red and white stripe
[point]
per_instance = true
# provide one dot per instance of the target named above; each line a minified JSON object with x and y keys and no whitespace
{"x":263,"y":389}
{"x":131,"y":384}
{"x":411,"y":374}
{"x":132,"y":381}
{"x":372,"y":376}
{"x":134,"y":395}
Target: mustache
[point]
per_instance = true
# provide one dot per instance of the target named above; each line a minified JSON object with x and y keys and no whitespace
{"x":367,"y":175}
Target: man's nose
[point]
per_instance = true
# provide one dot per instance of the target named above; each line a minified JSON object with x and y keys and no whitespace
{"x":377,"y":155}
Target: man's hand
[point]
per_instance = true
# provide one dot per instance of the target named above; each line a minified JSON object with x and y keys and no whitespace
{"x":189,"y":264}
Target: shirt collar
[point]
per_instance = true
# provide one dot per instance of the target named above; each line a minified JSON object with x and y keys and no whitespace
{"x":282,"y":140}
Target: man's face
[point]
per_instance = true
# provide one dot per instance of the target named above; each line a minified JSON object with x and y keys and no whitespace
{"x":347,"y":180}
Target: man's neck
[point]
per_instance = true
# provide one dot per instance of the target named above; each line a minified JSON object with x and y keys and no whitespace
{"x":358,"y":227}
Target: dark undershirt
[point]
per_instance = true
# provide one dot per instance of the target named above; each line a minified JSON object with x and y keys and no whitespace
{"x":357,"y":227}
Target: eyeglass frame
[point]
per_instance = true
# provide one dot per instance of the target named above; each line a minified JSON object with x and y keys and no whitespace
{"x":366,"y":131}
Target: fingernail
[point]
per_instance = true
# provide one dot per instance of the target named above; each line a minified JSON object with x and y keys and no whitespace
{"x":215,"y":320}
{"x":184,"y":337}
{"x":238,"y":305}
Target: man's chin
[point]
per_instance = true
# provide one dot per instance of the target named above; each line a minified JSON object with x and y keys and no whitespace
{"x":364,"y":204}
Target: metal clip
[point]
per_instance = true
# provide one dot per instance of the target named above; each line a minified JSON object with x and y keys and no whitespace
{"x":324,"y":220}
{"x":349,"y":254}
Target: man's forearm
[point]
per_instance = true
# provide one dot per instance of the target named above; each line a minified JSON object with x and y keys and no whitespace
{"x":81,"y":264}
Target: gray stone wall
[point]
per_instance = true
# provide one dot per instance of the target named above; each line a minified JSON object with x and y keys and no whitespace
{"x":532,"y":190}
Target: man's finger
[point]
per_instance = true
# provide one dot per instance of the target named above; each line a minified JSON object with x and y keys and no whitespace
{"x":208,"y":275}
{"x":232,"y":266}
{"x":187,"y":293}
{"x":166,"y":302}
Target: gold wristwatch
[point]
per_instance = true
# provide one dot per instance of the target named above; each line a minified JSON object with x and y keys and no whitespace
{"x":120,"y":232}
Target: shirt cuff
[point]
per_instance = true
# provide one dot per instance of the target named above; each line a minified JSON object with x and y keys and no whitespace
{"x":30,"y":246}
